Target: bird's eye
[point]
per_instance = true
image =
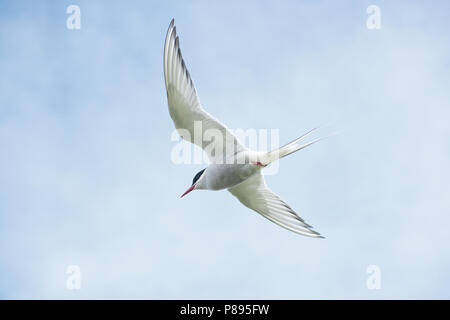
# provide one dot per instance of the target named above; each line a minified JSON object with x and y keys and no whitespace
{"x":197,"y":176}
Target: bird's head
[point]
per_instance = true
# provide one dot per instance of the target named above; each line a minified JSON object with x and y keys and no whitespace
{"x":195,"y":182}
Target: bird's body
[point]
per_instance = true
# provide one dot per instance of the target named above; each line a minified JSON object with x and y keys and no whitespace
{"x":233,"y":166}
{"x":224,"y":176}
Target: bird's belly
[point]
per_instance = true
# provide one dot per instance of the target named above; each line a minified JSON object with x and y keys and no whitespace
{"x":228,"y":175}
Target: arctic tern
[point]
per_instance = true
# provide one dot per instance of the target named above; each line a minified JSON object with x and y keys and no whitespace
{"x":238,"y":170}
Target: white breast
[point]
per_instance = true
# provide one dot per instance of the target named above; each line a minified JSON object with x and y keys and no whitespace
{"x":223,"y":176}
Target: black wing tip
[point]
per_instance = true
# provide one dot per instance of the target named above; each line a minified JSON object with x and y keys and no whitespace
{"x":171,"y":26}
{"x":315,"y":234}
{"x":171,"y":30}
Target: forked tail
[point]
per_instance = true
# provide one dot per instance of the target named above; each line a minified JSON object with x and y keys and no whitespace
{"x":287,"y":149}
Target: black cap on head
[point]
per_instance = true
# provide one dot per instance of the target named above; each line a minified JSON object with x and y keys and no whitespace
{"x":197,"y":176}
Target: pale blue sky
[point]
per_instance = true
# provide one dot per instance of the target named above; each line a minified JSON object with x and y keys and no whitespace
{"x":86,"y":177}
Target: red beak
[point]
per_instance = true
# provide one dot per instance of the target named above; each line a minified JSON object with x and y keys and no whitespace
{"x":187,"y":191}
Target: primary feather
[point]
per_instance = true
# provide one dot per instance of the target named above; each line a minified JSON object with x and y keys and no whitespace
{"x":185,"y":108}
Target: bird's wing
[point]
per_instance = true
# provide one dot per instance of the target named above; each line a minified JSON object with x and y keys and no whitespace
{"x":186,"y":110}
{"x":255,"y":194}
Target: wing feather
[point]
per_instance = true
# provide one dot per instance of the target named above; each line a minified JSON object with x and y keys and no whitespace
{"x":185,"y":108}
{"x":255,"y":194}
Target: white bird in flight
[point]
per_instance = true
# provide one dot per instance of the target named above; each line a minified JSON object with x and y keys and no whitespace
{"x":239,"y":171}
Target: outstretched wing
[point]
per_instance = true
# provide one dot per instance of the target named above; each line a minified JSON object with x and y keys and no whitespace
{"x":255,"y":194}
{"x":186,"y":111}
